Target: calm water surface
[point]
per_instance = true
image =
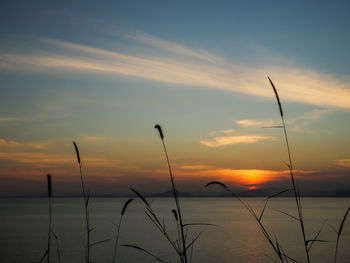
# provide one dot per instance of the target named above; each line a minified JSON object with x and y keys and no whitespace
{"x":236,"y":238}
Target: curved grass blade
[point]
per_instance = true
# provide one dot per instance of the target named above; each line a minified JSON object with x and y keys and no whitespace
{"x":126,"y":205}
{"x":140,"y":196}
{"x":43,"y":257}
{"x":145,"y":251}
{"x":340,"y":230}
{"x":77,"y":151}
{"x":268,"y":198}
{"x":315,"y":239}
{"x":277,"y":97}
{"x":216,"y":183}
{"x":100,"y":242}
{"x":295,"y":218}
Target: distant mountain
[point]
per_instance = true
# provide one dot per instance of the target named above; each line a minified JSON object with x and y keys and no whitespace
{"x":169,"y":193}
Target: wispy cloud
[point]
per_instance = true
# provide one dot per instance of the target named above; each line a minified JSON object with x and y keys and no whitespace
{"x":299,"y":124}
{"x":175,"y":48}
{"x":315,"y":115}
{"x":15,"y":146}
{"x":192,"y":68}
{"x":253,"y":123}
{"x":344,"y":162}
{"x":195,"y":167}
{"x":9,"y":119}
{"x":39,"y":159}
{"x":238,"y":139}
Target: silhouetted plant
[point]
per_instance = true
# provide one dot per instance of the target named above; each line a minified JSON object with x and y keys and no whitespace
{"x":339,"y":232}
{"x":160,"y":225}
{"x":290,"y":167}
{"x":282,"y":256}
{"x":50,"y":230}
{"x":86,"y":198}
{"x":178,"y":210}
{"x":118,"y":228}
{"x":49,"y":192}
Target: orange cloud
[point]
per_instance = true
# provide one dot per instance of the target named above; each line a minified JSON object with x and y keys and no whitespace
{"x":230,"y":140}
{"x":49,"y":159}
{"x":249,"y":123}
{"x":13,"y":145}
{"x":344,"y":162}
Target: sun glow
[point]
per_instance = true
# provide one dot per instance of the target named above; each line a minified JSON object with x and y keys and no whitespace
{"x":240,"y":177}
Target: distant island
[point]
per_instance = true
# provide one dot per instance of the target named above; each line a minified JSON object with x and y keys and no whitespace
{"x":247,"y":193}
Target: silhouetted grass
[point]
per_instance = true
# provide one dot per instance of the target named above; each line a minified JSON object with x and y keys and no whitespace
{"x":86,"y":198}
{"x":272,"y":241}
{"x":339,"y":232}
{"x":180,"y":244}
{"x":150,"y":213}
{"x":290,"y":166}
{"x":49,"y":193}
{"x":178,"y":210}
{"x":118,"y":228}
{"x":307,"y":244}
{"x":145,"y":251}
{"x":50,"y":230}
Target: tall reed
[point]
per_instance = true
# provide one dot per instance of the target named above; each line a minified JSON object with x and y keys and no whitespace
{"x":291,"y":172}
{"x":86,"y":198}
{"x":49,"y":193}
{"x":273,"y":242}
{"x":178,"y":210}
{"x":339,"y":232}
{"x":160,"y":225}
{"x":118,"y":228}
{"x":150,"y":213}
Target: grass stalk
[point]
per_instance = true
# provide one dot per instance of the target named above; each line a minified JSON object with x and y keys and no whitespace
{"x":339,"y":232}
{"x":118,"y":229}
{"x":182,"y":237}
{"x":274,"y":245}
{"x":290,"y":166}
{"x":145,"y":251}
{"x":57,"y":247}
{"x":157,"y":222}
{"x":49,"y":193}
{"x":86,"y":204}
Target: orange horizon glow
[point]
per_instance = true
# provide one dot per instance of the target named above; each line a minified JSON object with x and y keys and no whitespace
{"x":247,"y":178}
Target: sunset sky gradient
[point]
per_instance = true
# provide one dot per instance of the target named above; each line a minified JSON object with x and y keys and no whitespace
{"x":103,"y":74}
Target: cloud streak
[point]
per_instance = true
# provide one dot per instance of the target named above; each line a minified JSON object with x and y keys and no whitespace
{"x":253,"y":123}
{"x":238,"y":139}
{"x":184,"y":66}
{"x":344,"y":162}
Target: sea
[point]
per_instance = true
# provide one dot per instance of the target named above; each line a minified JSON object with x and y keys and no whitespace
{"x":232,"y":234}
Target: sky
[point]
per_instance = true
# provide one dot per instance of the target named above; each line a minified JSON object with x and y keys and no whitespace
{"x":104,"y":73}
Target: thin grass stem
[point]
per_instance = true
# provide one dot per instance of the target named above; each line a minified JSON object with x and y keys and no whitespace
{"x":86,"y":204}
{"x":296,"y":195}
{"x":182,"y":237}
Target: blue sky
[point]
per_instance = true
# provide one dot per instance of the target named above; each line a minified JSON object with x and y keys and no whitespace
{"x":103,"y":73}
